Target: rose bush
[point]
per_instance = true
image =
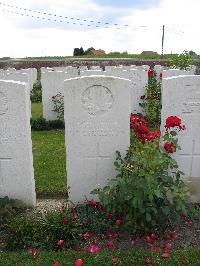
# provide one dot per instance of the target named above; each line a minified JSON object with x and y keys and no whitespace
{"x":148,"y":189}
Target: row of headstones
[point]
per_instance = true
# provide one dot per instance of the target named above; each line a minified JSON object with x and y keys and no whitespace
{"x":28,"y":75}
{"x":97,"y":113}
{"x":52,"y":80}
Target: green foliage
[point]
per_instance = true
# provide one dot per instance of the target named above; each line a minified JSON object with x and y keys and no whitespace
{"x":39,"y":124}
{"x":144,"y":190}
{"x":9,"y":208}
{"x":44,"y":232}
{"x":151,"y":101}
{"x":87,"y":52}
{"x":36,"y":93}
{"x":181,"y":61}
{"x":78,"y":51}
{"x":58,"y":106}
{"x":56,"y":124}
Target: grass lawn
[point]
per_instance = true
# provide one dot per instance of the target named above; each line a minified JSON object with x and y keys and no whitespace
{"x":49,"y":161}
{"x":36,"y":109}
{"x":104,"y":258}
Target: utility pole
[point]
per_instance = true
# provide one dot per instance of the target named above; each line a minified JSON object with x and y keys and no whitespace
{"x":163,"y":37}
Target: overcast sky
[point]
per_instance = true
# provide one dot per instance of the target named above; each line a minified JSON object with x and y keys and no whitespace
{"x":62,"y":25}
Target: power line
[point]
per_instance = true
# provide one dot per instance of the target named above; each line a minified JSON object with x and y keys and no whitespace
{"x":100,"y":23}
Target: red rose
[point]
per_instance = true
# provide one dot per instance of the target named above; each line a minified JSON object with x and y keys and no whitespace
{"x":174,"y":121}
{"x":161,"y":75}
{"x":170,"y":147}
{"x":150,"y":73}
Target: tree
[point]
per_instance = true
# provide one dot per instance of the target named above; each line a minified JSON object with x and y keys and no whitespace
{"x":87,"y":52}
{"x":81,"y":51}
{"x":76,"y":52}
{"x":192,"y":53}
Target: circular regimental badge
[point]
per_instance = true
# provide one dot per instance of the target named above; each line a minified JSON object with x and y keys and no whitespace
{"x":3,"y":103}
{"x":97,"y":100}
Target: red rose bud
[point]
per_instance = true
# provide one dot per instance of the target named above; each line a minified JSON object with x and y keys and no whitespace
{"x":78,"y":262}
{"x":161,"y":75}
{"x":150,"y":73}
{"x":169,"y":147}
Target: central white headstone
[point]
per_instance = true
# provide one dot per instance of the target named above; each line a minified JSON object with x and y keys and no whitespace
{"x":181,"y":97}
{"x":16,"y":161}
{"x":97,"y":113}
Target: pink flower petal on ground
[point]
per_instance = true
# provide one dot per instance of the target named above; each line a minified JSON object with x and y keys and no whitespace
{"x":93,"y":249}
{"x":110,"y":244}
{"x":149,"y":240}
{"x":87,"y":234}
{"x":78,"y":262}
{"x":56,"y":263}
{"x":167,"y":239}
{"x":155,"y":248}
{"x":168,"y":246}
{"x":173,"y":235}
{"x":35,"y":253}
{"x":30,"y":250}
{"x":112,"y":234}
{"x":165,"y":255}
{"x":118,"y":222}
{"x":60,"y":242}
{"x":153,"y":236}
{"x":186,"y":222}
{"x":115,"y":260}
{"x":133,"y":242}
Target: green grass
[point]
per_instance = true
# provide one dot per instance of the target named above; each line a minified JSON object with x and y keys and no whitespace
{"x":180,"y":257}
{"x":49,"y":161}
{"x":36,"y":109}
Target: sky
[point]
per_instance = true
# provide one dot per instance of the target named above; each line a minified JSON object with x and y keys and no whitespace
{"x":56,"y":27}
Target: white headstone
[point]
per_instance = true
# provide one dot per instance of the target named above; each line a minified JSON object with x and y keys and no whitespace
{"x":52,"y":84}
{"x":91,"y":72}
{"x":97,"y":114}
{"x":181,"y":97}
{"x":176,"y":72}
{"x":139,"y":81}
{"x":95,"y":68}
{"x":16,"y":161}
